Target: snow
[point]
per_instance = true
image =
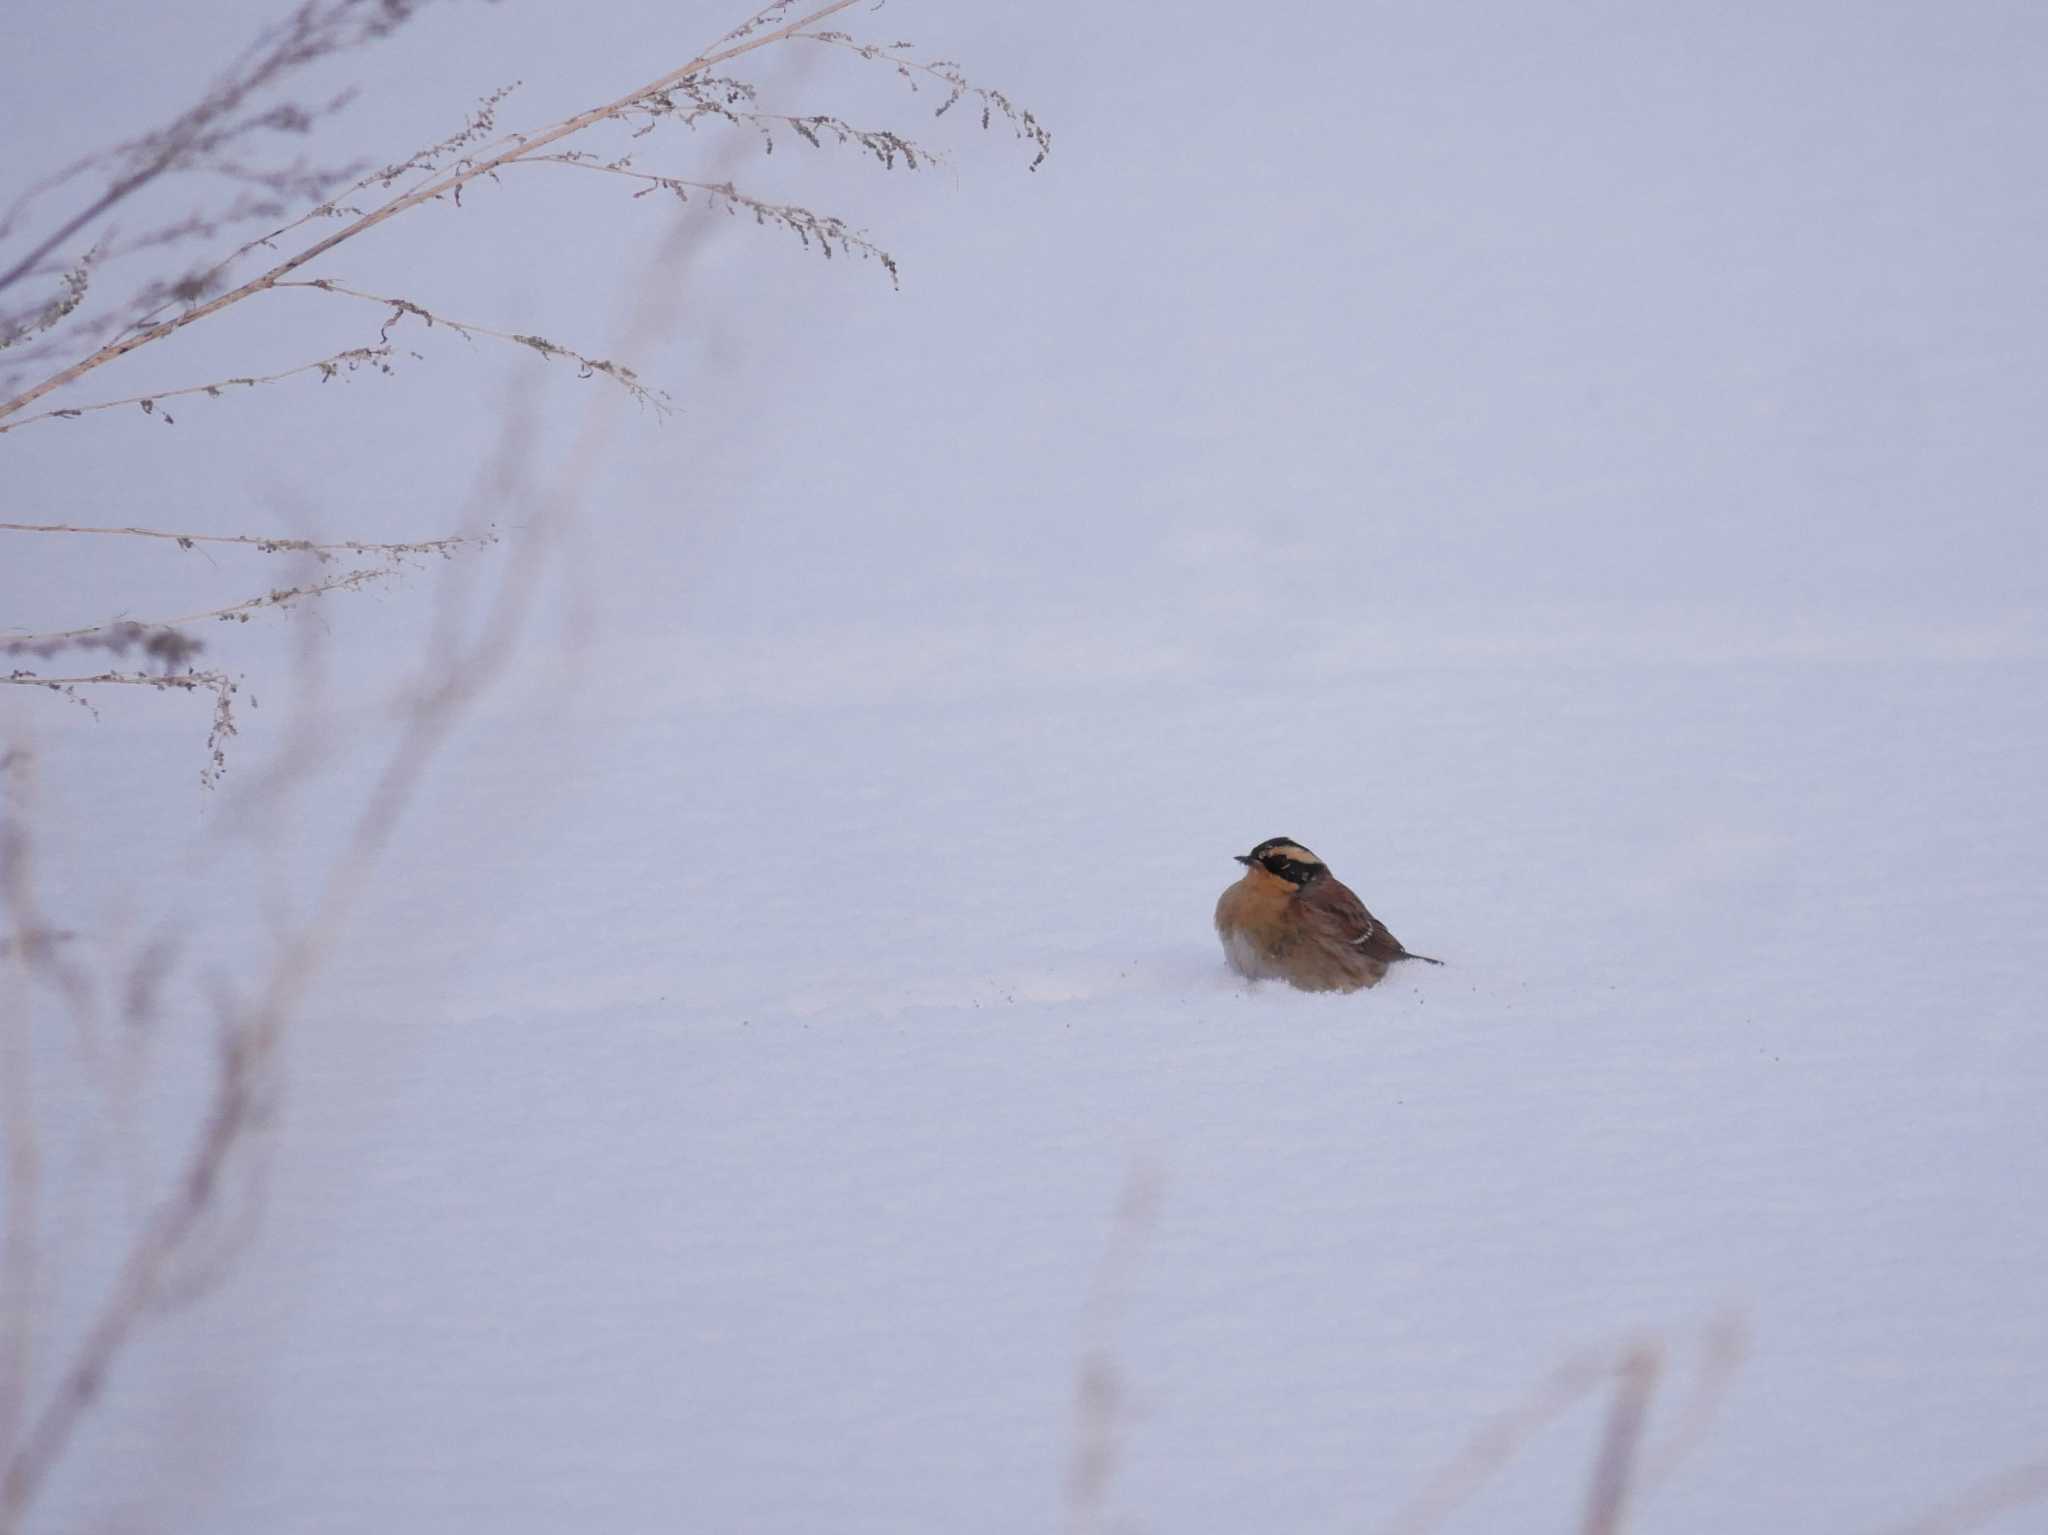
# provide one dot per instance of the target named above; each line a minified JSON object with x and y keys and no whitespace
{"x":1581,"y":479}
{"x":757,"y":1165}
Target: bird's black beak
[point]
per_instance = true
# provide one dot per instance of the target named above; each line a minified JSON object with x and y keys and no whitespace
{"x":1246,"y":859}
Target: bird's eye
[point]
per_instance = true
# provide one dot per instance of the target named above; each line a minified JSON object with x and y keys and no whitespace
{"x":1275,"y":864}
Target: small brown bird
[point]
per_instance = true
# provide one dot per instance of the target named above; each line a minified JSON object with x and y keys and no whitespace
{"x":1291,"y":918}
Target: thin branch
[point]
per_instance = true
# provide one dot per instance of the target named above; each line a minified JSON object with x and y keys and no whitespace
{"x":1102,"y":1406}
{"x":445,"y":547}
{"x":335,"y":366}
{"x":442,"y":185}
{"x":20,"y":1150}
{"x":1979,"y":1505}
{"x":819,"y":231}
{"x":312,"y":32}
{"x":33,"y":321}
{"x":720,"y":97}
{"x":1614,"y":1467}
{"x":462,"y":661}
{"x":262,"y":195}
{"x":139,"y":1280}
{"x":220,"y":684}
{"x":619,"y":373}
{"x":181,"y":681}
{"x":482,"y":119}
{"x":1723,"y":1345}
{"x":885,"y":145}
{"x":237,"y":612}
{"x":1497,"y":1442}
{"x":948,"y":73}
{"x":253,"y":1031}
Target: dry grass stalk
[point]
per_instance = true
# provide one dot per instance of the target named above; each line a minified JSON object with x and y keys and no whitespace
{"x":1977,"y":1506}
{"x":445,"y":184}
{"x":160,"y":637}
{"x":233,"y":113}
{"x":591,"y":367}
{"x":1635,"y":1382}
{"x":817,"y":231}
{"x":266,"y":544}
{"x":214,"y":135}
{"x":337,"y":365}
{"x":1101,"y":1393}
{"x":251,"y":1021}
{"x":175,"y":1252}
{"x":1621,"y":1467}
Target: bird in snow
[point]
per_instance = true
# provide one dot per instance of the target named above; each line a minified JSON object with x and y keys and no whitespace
{"x":1290,"y":918}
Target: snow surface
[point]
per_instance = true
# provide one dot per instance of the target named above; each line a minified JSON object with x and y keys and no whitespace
{"x":1576,"y":469}
{"x":760,"y":1168}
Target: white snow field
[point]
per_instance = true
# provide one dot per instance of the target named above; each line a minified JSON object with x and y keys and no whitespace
{"x":754,"y":1163}
{"x":1578,"y":468}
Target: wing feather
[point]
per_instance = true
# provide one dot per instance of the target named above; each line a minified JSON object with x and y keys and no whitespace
{"x":1331,"y":905}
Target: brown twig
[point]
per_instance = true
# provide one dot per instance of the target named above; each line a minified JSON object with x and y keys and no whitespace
{"x":441,"y":185}
{"x":480,"y":122}
{"x":266,"y":544}
{"x":31,"y":1459}
{"x":336,"y":366}
{"x":720,"y":97}
{"x":205,"y":134}
{"x":1614,"y":1467}
{"x":20,"y":1150}
{"x":220,"y":684}
{"x":235,"y":612}
{"x":460,"y":661}
{"x":619,"y":373}
{"x":949,"y":74}
{"x":1723,"y":1345}
{"x":1979,"y":1505}
{"x":820,"y":231}
{"x":183,"y":681}
{"x":1101,"y":1394}
{"x":1496,"y":1443}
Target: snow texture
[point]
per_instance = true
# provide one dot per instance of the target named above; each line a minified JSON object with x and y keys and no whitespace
{"x":1578,"y":470}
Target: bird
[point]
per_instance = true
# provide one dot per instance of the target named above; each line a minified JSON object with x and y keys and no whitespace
{"x":1291,"y":919}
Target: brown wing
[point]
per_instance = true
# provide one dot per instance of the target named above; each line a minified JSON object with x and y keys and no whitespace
{"x":1341,"y":915}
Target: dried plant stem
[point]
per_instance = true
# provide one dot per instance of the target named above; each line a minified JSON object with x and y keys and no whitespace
{"x":1496,"y":1443}
{"x":401,"y":307}
{"x":333,"y":366}
{"x":442,"y":185}
{"x":277,"y":597}
{"x":1023,"y":123}
{"x":250,"y":1041}
{"x":1624,"y":1468}
{"x":2000,"y":1494}
{"x":220,"y":684}
{"x":480,"y":121}
{"x":825,"y":228}
{"x":1614,"y":1467}
{"x":20,"y":1148}
{"x":167,"y":1232}
{"x":452,"y":675}
{"x":84,"y":218}
{"x":23,"y":1164}
{"x":466,"y":654}
{"x":185,"y":681}
{"x":263,"y":543}
{"x":1724,"y":1344}
{"x":1101,"y":1392}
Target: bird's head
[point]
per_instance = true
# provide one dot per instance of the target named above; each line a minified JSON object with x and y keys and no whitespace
{"x":1283,"y":859}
